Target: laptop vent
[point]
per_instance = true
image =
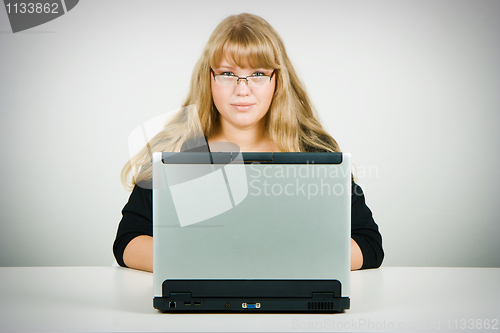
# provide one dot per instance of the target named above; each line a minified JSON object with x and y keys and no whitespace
{"x":320,"y":305}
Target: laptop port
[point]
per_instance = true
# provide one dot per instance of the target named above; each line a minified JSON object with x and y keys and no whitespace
{"x":197,"y":303}
{"x":187,"y":303}
{"x":171,"y":305}
{"x":250,"y":305}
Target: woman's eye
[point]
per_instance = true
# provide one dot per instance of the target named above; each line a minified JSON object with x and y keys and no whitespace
{"x":227,"y":74}
{"x":258,"y":74}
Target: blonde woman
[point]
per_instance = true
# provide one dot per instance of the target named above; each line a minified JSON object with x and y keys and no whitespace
{"x":245,"y":91}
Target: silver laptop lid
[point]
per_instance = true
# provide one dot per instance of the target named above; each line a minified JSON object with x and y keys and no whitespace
{"x":251,"y":216}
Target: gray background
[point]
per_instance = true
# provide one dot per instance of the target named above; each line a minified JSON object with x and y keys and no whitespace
{"x":409,"y":88}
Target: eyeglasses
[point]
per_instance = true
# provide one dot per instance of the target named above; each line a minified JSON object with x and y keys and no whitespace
{"x":231,"y":80}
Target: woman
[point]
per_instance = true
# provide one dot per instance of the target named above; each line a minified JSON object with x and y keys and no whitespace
{"x":246,"y":92}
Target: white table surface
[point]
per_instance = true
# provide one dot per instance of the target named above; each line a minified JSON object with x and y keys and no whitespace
{"x":395,"y":299}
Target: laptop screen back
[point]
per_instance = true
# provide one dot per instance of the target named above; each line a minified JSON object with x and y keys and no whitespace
{"x":250,"y":216}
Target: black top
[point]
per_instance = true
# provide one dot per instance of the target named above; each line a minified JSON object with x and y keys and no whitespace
{"x":138,"y":220}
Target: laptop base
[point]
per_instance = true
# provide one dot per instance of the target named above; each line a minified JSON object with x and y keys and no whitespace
{"x":251,"y":296}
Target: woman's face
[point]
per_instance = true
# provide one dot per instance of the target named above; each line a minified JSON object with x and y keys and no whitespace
{"x":242,"y":106}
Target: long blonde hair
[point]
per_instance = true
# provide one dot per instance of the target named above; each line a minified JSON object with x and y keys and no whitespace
{"x":244,"y":40}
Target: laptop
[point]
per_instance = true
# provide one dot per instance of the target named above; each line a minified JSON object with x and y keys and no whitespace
{"x":251,"y":232}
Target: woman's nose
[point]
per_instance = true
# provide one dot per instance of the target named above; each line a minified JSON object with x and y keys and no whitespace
{"x":242,"y":88}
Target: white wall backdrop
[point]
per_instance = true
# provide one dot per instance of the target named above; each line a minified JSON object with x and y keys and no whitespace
{"x":410,"y":88}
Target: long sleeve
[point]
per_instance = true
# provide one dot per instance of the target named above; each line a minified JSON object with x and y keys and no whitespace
{"x":137,"y":220}
{"x":364,"y":230}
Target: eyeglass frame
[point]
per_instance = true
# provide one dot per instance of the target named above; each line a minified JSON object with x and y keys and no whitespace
{"x":240,"y":77}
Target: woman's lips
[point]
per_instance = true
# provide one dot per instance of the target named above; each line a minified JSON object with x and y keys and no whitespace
{"x":242,"y":106}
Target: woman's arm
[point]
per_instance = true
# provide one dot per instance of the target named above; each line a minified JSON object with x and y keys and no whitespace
{"x":139,"y":253}
{"x":135,"y":231}
{"x":137,"y":226}
{"x":364,"y":232}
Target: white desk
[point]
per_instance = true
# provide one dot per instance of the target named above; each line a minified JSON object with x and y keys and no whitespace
{"x":398,"y":299}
